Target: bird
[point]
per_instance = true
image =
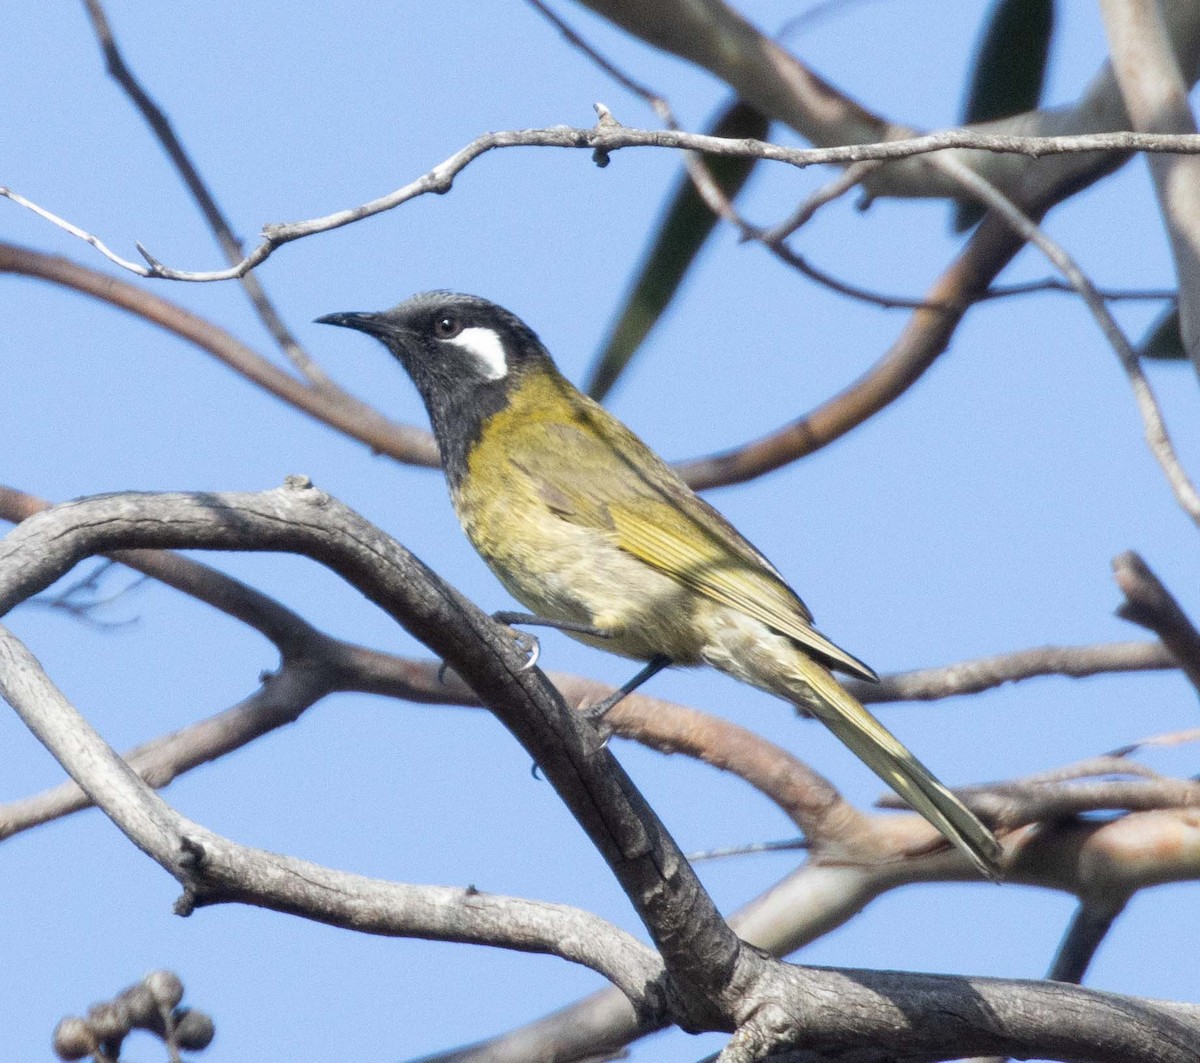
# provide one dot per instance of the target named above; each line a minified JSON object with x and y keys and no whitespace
{"x":595,"y":534}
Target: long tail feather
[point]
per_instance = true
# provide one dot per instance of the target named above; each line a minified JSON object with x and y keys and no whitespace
{"x":885,"y":755}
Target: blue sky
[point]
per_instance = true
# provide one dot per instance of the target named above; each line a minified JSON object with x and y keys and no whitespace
{"x":977,"y":515}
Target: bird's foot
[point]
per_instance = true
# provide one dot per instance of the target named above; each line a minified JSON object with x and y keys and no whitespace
{"x":655,"y":665}
{"x":528,"y":644}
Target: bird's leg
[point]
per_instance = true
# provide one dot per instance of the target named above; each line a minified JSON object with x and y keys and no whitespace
{"x":653,"y":667}
{"x":529,"y":643}
{"x":533,"y":620}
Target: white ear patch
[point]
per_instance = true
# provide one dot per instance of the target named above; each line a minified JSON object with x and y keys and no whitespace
{"x":486,"y":347}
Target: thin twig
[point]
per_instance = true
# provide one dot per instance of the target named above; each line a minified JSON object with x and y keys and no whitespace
{"x":984,"y":673}
{"x":1056,"y":284}
{"x":787,"y":845}
{"x":230,"y":245}
{"x":849,"y":178}
{"x":1155,"y":427}
{"x":607,"y":137}
{"x":1149,"y":604}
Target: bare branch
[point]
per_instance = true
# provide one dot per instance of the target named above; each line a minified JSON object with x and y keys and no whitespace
{"x":214,"y":870}
{"x":741,"y":989}
{"x":719,"y":39}
{"x":849,"y":178}
{"x":984,"y":673}
{"x":1156,"y":97}
{"x":222,"y":230}
{"x":610,"y":136}
{"x":1056,"y":284}
{"x":1150,"y":604}
{"x":315,"y":665}
{"x":327,"y":402}
{"x":1089,"y":926}
{"x":1157,"y":437}
{"x":1012,"y":806}
{"x":699,"y":950}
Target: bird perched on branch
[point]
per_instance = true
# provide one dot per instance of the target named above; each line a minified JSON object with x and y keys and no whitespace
{"x":592,"y":531}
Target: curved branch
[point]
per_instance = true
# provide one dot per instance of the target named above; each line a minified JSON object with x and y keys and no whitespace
{"x":1155,"y":94}
{"x":986,"y":673}
{"x":221,"y":229}
{"x":703,"y":957}
{"x":327,"y":402}
{"x":783,"y":1005}
{"x":214,"y":869}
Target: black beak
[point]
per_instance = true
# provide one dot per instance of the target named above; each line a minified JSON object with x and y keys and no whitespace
{"x":372,"y":324}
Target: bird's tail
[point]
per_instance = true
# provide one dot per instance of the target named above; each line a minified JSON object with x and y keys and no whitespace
{"x":885,"y":755}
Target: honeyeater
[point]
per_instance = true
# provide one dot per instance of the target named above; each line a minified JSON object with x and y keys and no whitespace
{"x":592,"y":531}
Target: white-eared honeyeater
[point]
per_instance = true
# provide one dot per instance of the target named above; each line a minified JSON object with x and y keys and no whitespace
{"x":590,"y":529}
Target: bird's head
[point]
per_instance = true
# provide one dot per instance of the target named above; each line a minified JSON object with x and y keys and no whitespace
{"x":465,"y":354}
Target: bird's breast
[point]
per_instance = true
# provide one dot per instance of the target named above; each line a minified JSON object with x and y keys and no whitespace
{"x":563,"y":570}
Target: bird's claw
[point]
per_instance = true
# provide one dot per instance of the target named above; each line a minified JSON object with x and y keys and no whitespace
{"x":530,"y":646}
{"x":527,"y":643}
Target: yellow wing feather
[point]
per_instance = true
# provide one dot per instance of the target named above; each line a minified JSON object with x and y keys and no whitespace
{"x":654,"y":516}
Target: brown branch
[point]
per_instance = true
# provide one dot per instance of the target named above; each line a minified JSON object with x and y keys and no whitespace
{"x":214,"y":870}
{"x":926,"y":335}
{"x":327,"y":403}
{"x":1138,"y":851}
{"x":38,"y":551}
{"x":315,"y":665}
{"x":1010,"y":807}
{"x":714,"y":196}
{"x":1149,"y":604}
{"x":835,"y":829}
{"x":985,"y":673}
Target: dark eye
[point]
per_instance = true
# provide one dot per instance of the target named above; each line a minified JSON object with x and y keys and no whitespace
{"x":446,"y":326}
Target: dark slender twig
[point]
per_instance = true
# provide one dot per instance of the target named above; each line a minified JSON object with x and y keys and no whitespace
{"x":1087,"y":930}
{"x":222,"y":230}
{"x":787,"y":845}
{"x":1056,"y":284}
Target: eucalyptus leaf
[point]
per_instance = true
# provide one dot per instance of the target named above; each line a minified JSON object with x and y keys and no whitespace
{"x":1008,"y":75}
{"x":1164,"y":341}
{"x":682,"y":232}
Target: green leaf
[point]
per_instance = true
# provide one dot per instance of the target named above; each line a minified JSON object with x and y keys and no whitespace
{"x":684,"y":227}
{"x":1010,"y":69}
{"x":1164,"y":340}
